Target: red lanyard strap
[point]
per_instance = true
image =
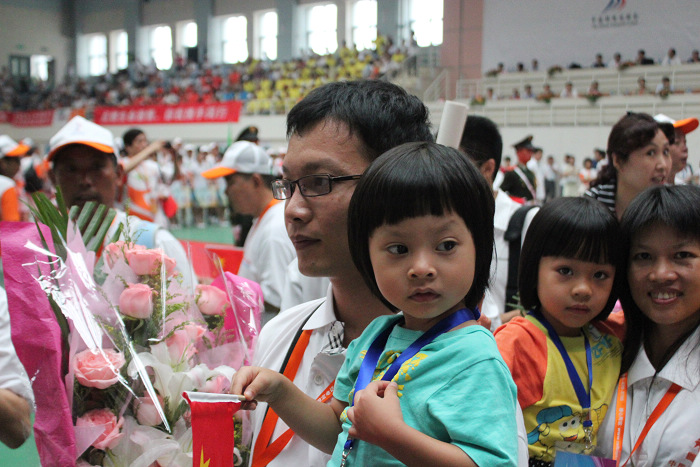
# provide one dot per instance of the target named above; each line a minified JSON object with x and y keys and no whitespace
{"x":660,"y":408}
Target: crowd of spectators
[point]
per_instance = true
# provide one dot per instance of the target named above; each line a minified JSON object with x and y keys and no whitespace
{"x":265,"y":86}
{"x":663,"y":89}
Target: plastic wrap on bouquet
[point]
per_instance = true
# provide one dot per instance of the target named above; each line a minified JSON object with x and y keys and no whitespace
{"x":136,"y":341}
{"x":37,"y":338}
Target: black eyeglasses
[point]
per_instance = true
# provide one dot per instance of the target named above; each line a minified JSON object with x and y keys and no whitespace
{"x":309,"y":186}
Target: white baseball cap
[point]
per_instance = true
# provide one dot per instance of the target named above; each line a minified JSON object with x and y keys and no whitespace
{"x":11,"y":148}
{"x":244,"y":157}
{"x":82,"y":131}
{"x":686,"y":125}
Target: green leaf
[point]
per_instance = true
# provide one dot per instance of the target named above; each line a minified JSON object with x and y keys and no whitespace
{"x":85,"y":215}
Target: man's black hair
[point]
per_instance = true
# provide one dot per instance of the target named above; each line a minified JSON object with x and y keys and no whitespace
{"x":482,"y":141}
{"x":381,"y":115}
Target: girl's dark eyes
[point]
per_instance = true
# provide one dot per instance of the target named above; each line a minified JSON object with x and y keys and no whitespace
{"x":601,"y":275}
{"x":397,"y":249}
{"x":565,"y":271}
{"x":446,"y":245}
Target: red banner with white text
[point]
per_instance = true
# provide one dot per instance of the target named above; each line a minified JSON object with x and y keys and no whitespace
{"x":220,"y":112}
{"x":31,"y":118}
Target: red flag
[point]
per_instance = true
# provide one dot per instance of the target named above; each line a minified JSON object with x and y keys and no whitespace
{"x":212,"y":428}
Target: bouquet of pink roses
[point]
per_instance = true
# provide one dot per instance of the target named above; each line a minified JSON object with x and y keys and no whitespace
{"x":136,"y":340}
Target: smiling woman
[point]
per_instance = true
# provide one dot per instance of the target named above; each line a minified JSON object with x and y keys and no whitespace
{"x":638,"y":158}
{"x":660,"y":240}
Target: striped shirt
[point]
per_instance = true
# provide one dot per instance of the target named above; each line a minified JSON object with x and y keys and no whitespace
{"x":605,"y":194}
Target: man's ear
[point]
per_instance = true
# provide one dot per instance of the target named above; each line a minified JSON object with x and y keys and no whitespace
{"x":52,"y":175}
{"x":121,"y":176}
{"x":257,"y":180}
{"x":488,"y":169}
{"x":615,"y":161}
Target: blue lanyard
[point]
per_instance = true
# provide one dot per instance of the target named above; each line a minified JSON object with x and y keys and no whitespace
{"x":369,"y":363}
{"x":584,"y":397}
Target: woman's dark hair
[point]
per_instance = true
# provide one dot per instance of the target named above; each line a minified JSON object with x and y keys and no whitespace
{"x":669,"y":131}
{"x":677,"y":207}
{"x":422,"y":179}
{"x":130,"y":135}
{"x":577,"y":228}
{"x":633,"y":131}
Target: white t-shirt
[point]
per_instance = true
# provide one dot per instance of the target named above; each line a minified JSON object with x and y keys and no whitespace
{"x":322,"y":360}
{"x":267,"y":253}
{"x":675,"y":437}
{"x":13,"y":376}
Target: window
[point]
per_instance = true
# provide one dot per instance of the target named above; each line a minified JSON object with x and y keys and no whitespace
{"x":267,"y":38}
{"x":118,"y":51}
{"x":162,"y":47}
{"x":39,"y":66}
{"x":235,"y":35}
{"x":425,"y":20}
{"x":189,"y":34}
{"x":97,"y":54}
{"x":364,"y":24}
{"x":322,"y":30}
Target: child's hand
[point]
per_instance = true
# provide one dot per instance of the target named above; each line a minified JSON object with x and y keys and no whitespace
{"x":256,"y":384}
{"x":376,"y":408}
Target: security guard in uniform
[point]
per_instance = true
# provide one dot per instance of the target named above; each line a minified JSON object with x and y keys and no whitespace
{"x":521,"y":182}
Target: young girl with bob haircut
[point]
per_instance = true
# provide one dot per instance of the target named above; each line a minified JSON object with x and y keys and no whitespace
{"x":638,"y":158}
{"x":563,"y":357}
{"x":660,"y":243}
{"x":426,"y":386}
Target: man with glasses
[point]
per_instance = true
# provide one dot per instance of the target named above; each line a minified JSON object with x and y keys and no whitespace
{"x":334,"y":133}
{"x":267,"y":249}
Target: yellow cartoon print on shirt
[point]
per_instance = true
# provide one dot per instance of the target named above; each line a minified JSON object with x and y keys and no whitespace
{"x":402,"y":376}
{"x":556,"y":425}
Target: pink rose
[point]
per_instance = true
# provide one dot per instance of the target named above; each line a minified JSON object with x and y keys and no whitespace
{"x":136,"y":301}
{"x":147,"y":262}
{"x":146,"y":412}
{"x":117,"y":250}
{"x":211,"y":300}
{"x":103,"y":417}
{"x":99,"y":369}
{"x":217,"y":385}
{"x":182,"y":344}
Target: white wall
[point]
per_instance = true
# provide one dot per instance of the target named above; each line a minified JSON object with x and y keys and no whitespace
{"x":558,"y":33}
{"x":30,"y":28}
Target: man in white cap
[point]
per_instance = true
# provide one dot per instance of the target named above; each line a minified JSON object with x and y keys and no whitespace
{"x":248,"y":172}
{"x":84,"y":166}
{"x":681,"y":172}
{"x":10,"y":154}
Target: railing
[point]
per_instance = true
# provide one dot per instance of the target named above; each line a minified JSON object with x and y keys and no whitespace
{"x":684,"y":77}
{"x":579,"y":112}
{"x":437,"y":90}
